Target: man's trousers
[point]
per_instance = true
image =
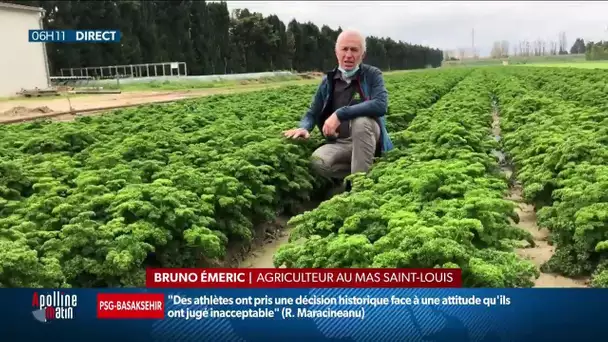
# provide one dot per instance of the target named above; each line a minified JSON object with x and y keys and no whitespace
{"x":349,"y":155}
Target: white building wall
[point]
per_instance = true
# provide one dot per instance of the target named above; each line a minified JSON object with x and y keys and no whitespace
{"x":22,"y":64}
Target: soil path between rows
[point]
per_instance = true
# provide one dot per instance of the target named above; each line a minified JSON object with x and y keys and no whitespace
{"x":262,"y":256}
{"x":270,"y":237}
{"x":542,"y":251}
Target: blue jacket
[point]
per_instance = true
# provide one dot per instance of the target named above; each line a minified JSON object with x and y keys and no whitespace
{"x":374,"y":104}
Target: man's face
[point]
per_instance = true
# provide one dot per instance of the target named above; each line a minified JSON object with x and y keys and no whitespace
{"x":349,"y":51}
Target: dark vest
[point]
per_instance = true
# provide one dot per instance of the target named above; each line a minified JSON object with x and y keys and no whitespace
{"x":342,"y":94}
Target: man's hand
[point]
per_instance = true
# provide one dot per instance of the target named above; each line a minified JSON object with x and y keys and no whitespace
{"x":297,"y":133}
{"x":330,"y":128}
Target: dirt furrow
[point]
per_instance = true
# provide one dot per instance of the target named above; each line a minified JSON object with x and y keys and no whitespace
{"x":262,"y":255}
{"x":542,"y":251}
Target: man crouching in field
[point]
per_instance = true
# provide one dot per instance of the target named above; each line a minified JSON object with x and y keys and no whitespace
{"x":349,"y":108}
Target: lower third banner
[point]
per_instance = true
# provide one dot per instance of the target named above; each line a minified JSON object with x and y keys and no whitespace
{"x":335,"y":314}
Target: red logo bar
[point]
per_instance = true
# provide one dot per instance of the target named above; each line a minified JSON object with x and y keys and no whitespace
{"x":130,"y":305}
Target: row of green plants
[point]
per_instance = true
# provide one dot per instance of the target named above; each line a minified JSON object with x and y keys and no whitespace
{"x":92,"y":203}
{"x":437,"y":200}
{"x":556,"y":135}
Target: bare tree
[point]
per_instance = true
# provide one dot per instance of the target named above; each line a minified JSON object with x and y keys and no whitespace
{"x":536,"y":48}
{"x":527,"y":48}
{"x":495,"y":52}
{"x":504,"y":48}
{"x":543,"y":47}
{"x":563,"y":43}
{"x":553,"y":48}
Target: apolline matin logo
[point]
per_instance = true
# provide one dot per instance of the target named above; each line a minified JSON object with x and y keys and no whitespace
{"x":52,"y":306}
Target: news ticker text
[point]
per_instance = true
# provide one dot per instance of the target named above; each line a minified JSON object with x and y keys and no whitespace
{"x":180,"y":306}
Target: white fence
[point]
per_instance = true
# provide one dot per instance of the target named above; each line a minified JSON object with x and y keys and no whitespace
{"x":196,"y":78}
{"x":146,"y":70}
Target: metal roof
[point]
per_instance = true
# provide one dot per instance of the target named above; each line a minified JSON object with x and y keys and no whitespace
{"x":21,"y":7}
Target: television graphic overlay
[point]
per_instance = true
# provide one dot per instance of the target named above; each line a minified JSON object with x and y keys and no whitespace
{"x":53,"y":306}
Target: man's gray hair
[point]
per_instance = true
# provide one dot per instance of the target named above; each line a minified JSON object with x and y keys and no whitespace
{"x":356,"y":32}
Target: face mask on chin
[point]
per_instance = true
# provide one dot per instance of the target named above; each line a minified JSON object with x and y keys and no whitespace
{"x":349,"y":73}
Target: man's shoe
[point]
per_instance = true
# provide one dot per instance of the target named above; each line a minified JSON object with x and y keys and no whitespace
{"x":337,"y":187}
{"x":335,"y":190}
{"x":348,"y":186}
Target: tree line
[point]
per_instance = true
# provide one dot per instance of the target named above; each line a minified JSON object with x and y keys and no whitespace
{"x":595,"y":51}
{"x":591,"y":50}
{"x":526,"y":48}
{"x":209,"y":39}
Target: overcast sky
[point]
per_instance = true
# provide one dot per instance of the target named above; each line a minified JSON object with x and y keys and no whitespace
{"x":448,"y":25}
